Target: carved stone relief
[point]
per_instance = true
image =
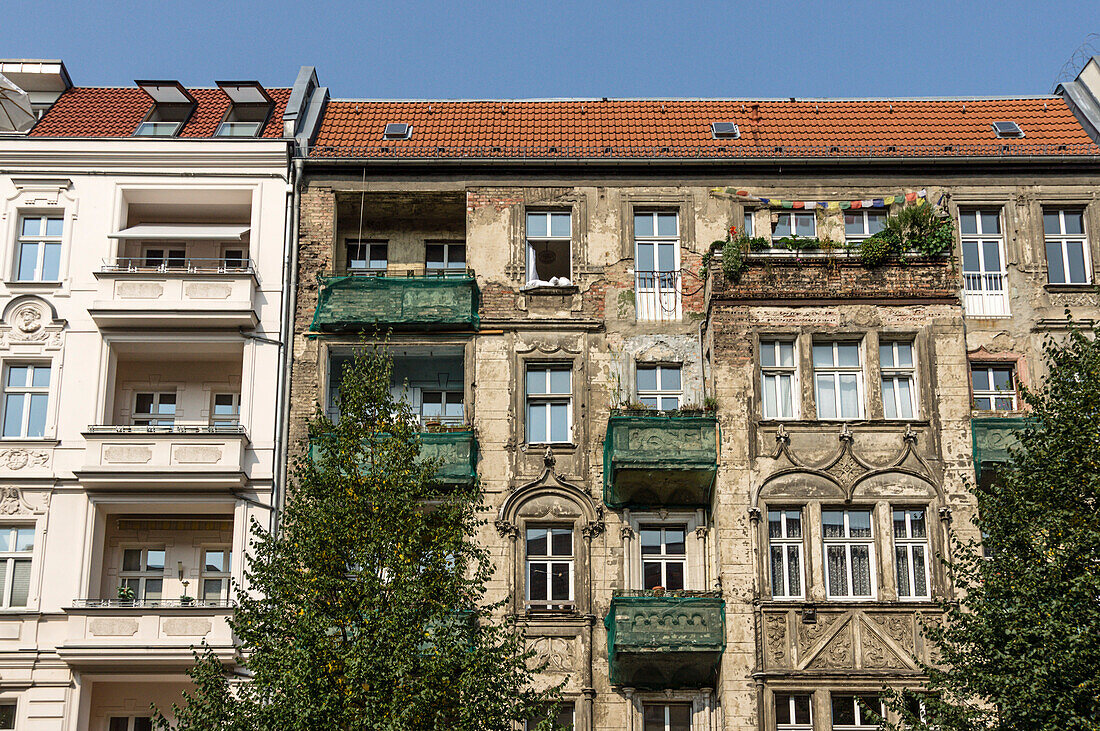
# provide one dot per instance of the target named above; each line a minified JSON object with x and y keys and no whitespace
{"x":776,"y":631}
{"x":30,"y":321}
{"x":18,"y":458}
{"x":557,"y":654}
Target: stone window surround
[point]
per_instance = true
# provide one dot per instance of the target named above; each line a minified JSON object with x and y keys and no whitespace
{"x":804,"y":396}
{"x":884,"y":576}
{"x":54,"y":361}
{"x":1091,"y":213}
{"x":820,"y":700}
{"x":577,"y":434}
{"x":577,"y":206}
{"x":37,"y":197}
{"x":36,"y":522}
{"x":682,"y":204}
{"x":699,"y":574}
{"x":1018,"y":361}
{"x":705,"y":714}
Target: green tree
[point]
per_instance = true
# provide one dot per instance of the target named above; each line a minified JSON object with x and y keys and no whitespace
{"x":367,"y":610}
{"x":1021,"y":649}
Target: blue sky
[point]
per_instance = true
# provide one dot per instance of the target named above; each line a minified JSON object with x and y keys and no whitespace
{"x":416,"y":49}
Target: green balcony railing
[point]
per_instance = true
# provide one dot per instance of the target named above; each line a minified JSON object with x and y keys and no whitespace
{"x":423,"y":302}
{"x":665,"y":642}
{"x":993,"y":437}
{"x":456,"y":452}
{"x":659,"y":460}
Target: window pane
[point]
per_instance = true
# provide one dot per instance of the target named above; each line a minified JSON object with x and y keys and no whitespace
{"x":1002,"y":379}
{"x":131,"y":559}
{"x":886,"y":355}
{"x":991,"y":222}
{"x":767,"y":353}
{"x":215,"y":561}
{"x":13,"y":415}
{"x":643,"y":224}
{"x":154,"y":560}
{"x":536,"y":380}
{"x":981,"y":379}
{"x":844,"y":710}
{"x":36,"y":421}
{"x":771,"y":406}
{"x":1075,"y":223}
{"x":783,"y":225}
{"x":785,"y":404}
{"x":559,"y":381}
{"x":536,"y":225}
{"x":848,"y":354}
{"x":666,"y":224}
{"x":536,"y":541}
{"x":154,"y":589}
{"x":143,"y":403}
{"x":901,"y":560}
{"x":826,"y":397}
{"x":823,"y":355}
{"x":853,"y":224}
{"x":991,"y":254}
{"x":433,"y":254}
{"x":651,"y":574}
{"x":559,"y":580}
{"x":18,"y":375}
{"x":982,"y":403}
{"x":970,"y":256}
{"x":24,"y":539}
{"x":920,"y":582}
{"x":968,"y":222}
{"x":916,"y":523}
{"x":804,"y":224}
{"x":849,"y":396}
{"x":559,"y":224}
{"x":40,"y":376}
{"x":1051,"y":224}
{"x":1055,"y":267}
{"x":899,"y":524}
{"x":28,"y":261}
{"x":837,"y":570}
{"x":20,"y":583}
{"x":674,"y":575}
{"x":7,"y":716}
{"x":875,"y":222}
{"x":674,"y":541}
{"x":679,"y":717}
{"x":1075,"y":257}
{"x":782,"y":709}
{"x":666,"y":257}
{"x":647,"y":378}
{"x":859,"y":524}
{"x":536,"y":422}
{"x":748,"y":224}
{"x":120,"y":724}
{"x":778,"y":588}
{"x":861,"y":571}
{"x":670,"y":403}
{"x":51,"y":262}
{"x":670,"y":378}
{"x":905,"y":397}
{"x":1003,"y":404}
{"x":786,"y":354}
{"x":559,"y":423}
{"x":32,"y":226}
{"x":651,"y":541}
{"x":561,"y":541}
{"x":905,"y":355}
{"x":794,"y":578}
{"x":889,"y":409}
{"x":456,"y":256}
{"x":794,"y":524}
{"x":833,"y":523}
{"x":536,"y":586}
{"x":5,"y":539}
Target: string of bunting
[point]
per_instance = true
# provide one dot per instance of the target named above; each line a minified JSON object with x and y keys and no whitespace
{"x":919,"y":198}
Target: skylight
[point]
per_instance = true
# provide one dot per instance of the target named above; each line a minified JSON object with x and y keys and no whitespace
{"x":1007,"y":129}
{"x":397,"y":131}
{"x":251,"y":106}
{"x":172,"y":107}
{"x":725,"y":131}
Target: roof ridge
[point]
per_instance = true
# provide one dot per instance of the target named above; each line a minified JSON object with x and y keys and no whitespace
{"x":795,"y":100}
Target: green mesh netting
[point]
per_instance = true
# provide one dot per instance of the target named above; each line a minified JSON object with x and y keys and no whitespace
{"x":456,"y":453}
{"x":993,"y":437}
{"x":665,"y":642}
{"x":659,"y":460}
{"x":355,"y":303}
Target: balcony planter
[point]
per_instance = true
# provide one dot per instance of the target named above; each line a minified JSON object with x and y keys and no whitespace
{"x":660,"y":459}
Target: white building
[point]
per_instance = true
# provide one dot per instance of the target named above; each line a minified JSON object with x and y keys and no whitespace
{"x":144,"y":269}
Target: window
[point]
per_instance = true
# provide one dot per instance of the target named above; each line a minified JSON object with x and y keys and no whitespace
{"x":910,"y":553}
{"x":549,"y":239}
{"x":777,"y":374}
{"x":1067,"y":247}
{"x":7,"y":716}
{"x":226,"y":411}
{"x":849,"y":554}
{"x":983,"y":263}
{"x":657,"y":265}
{"x":850,"y":712}
{"x":26,"y":396}
{"x":16,"y":549}
{"x":898,"y":380}
{"x":234,"y":259}
{"x":143,"y":573}
{"x":793,"y":712}
{"x":838,"y":380}
{"x":549,"y":404}
{"x":659,"y":387}
{"x":444,"y":407}
{"x":664,"y":557}
{"x":244,"y":120}
{"x":785,"y":549}
{"x":130,"y":723}
{"x":445,"y":258}
{"x":39,"y":248}
{"x":161,"y":258}
{"x":563,"y":718}
{"x":155,"y":409}
{"x":215,"y":575}
{"x":550,"y":568}
{"x":156,"y":129}
{"x":666,"y":717}
{"x":367,"y":256}
{"x":859,"y":225}
{"x":748,"y":224}
{"x":994,"y":387}
{"x":794,"y":224}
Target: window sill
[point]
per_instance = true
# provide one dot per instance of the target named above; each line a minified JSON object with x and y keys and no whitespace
{"x":550,"y":290}
{"x":838,"y":422}
{"x":23,"y":284}
{"x":1070,"y":288}
{"x":31,"y":441}
{"x":556,"y":446}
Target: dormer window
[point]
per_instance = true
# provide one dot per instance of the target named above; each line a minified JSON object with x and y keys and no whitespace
{"x":397,"y":131}
{"x":172,"y":107}
{"x":251,"y":107}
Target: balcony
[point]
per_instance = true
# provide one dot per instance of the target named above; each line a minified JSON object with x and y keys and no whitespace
{"x":358,"y":302}
{"x":179,"y":293}
{"x":456,"y":452}
{"x":665,"y":642}
{"x":160,"y":635}
{"x":660,"y":460}
{"x":993,"y":437}
{"x":180,"y":456}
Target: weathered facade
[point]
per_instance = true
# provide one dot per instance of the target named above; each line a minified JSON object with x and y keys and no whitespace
{"x":716,"y":501}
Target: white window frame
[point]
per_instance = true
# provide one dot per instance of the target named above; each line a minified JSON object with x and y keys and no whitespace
{"x":41,"y":242}
{"x":225,"y":420}
{"x":777,"y":373}
{"x":351,"y":241}
{"x":985,"y":291}
{"x":865,"y":222}
{"x":991,"y":393}
{"x":27,"y":392}
{"x":223,"y":576}
{"x":142,"y":575}
{"x":664,"y":558}
{"x":661,"y":393}
{"x":548,"y":398}
{"x":163,"y":257}
{"x":835,"y":372}
{"x":785,"y":542}
{"x":446,"y":268}
{"x":548,"y":560}
{"x":910,"y":544}
{"x":657,"y":293}
{"x":667,"y":708}
{"x":858,"y":710}
{"x":779,"y":697}
{"x":1062,"y":240}
{"x":530,"y":241}
{"x":151,"y":418}
{"x":749,"y":223}
{"x":896,"y":374}
{"x":445,"y":396}
{"x":9,"y":559}
{"x":847,"y":541}
{"x":792,"y":216}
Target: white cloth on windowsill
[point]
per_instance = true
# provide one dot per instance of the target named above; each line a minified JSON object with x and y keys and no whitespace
{"x":554,"y":282}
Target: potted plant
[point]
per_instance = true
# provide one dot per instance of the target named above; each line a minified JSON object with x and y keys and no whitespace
{"x":125,"y":594}
{"x":658,"y":591}
{"x":186,"y":601}
{"x":710,"y":404}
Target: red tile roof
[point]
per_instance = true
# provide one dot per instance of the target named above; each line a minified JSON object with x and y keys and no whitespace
{"x":681,"y":128}
{"x":117,"y":112}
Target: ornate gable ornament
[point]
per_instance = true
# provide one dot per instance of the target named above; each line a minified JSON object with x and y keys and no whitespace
{"x":550,"y":483}
{"x":31,"y":321}
{"x":12,"y":502}
{"x":846,"y":468}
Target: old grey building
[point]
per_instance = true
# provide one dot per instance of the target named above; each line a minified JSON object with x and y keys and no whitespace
{"x":719,"y":484}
